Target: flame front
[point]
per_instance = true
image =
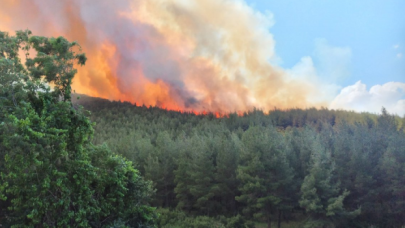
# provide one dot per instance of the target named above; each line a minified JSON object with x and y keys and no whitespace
{"x":211,"y":55}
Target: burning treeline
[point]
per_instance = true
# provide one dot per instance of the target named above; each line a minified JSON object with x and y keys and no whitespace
{"x":211,"y":55}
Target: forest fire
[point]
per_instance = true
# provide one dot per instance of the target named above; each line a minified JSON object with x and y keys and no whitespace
{"x":173,"y":54}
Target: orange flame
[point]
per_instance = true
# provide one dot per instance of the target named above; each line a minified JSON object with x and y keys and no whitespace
{"x":190,"y":56}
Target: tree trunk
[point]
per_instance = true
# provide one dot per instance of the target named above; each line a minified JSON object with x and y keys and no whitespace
{"x":167,"y":196}
{"x":268,"y":222}
{"x":279,"y":219}
{"x":287,"y":216}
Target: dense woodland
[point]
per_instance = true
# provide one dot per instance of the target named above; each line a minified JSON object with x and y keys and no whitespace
{"x":322,"y":168}
{"x":123,"y":165}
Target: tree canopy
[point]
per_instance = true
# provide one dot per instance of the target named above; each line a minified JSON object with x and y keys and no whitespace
{"x":313,"y":168}
{"x":52,"y":175}
{"x":305,"y":168}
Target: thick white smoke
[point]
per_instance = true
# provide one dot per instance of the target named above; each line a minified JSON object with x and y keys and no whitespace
{"x":208,"y":55}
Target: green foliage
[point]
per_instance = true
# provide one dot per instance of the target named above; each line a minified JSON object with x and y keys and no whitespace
{"x":264,"y":173}
{"x":321,"y":196}
{"x":315,"y":165}
{"x":52,"y":176}
{"x":179,"y":219}
{"x":159,"y":167}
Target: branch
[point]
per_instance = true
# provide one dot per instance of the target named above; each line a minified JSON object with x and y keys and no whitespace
{"x":15,"y":103}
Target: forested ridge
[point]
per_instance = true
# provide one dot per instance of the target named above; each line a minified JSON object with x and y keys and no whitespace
{"x":122,"y":165}
{"x":292,"y":168}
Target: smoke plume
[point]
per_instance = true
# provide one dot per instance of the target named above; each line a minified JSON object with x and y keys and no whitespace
{"x":210,"y":55}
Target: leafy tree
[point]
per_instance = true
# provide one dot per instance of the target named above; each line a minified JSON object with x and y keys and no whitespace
{"x":52,"y":176}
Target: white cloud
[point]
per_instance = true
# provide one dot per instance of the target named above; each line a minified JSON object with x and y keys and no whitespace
{"x":356,"y":97}
{"x":399,"y":55}
{"x":396,"y":46}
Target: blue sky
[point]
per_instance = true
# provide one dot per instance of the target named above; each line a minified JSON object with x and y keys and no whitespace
{"x":370,"y":34}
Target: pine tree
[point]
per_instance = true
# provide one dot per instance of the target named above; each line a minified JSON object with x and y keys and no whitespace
{"x":321,"y":196}
{"x":263,"y":172}
{"x":226,"y":184}
{"x":159,"y":168}
{"x":202,"y":173}
{"x":183,"y":179}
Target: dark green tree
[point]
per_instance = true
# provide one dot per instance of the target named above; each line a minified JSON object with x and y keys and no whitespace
{"x":322,"y":197}
{"x":226,"y":184}
{"x":159,"y":167}
{"x":195,"y":176}
{"x":183,"y":179}
{"x":264,"y":173}
{"x":393,"y":170}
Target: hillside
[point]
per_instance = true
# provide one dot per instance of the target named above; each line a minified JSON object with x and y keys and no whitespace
{"x":115,"y":164}
{"x":318,"y":167}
